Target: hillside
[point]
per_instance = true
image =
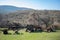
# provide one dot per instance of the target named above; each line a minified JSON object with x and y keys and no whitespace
{"x":35,"y":17}
{"x":7,"y":8}
{"x":24,"y":15}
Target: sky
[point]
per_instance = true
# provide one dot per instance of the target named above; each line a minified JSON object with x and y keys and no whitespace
{"x":34,"y":4}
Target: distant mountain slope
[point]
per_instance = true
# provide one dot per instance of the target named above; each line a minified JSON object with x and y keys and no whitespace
{"x":7,"y":8}
{"x":24,"y":15}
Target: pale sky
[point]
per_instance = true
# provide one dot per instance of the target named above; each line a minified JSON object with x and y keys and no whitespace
{"x":35,"y":4}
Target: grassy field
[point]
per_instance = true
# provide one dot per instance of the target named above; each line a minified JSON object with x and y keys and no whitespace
{"x":31,"y":36}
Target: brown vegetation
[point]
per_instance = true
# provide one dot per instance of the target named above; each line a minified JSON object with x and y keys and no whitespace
{"x":40,"y":19}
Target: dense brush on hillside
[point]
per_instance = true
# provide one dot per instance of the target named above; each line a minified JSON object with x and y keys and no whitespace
{"x":32,"y":16}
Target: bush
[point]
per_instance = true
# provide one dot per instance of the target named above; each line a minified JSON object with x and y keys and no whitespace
{"x":5,"y":31}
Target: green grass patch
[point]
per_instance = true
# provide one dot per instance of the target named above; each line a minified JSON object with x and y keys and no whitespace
{"x":31,"y":36}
